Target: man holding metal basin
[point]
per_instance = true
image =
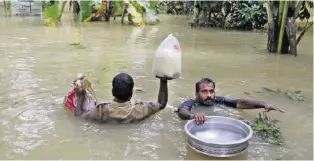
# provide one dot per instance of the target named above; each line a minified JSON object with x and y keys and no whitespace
{"x":205,"y":96}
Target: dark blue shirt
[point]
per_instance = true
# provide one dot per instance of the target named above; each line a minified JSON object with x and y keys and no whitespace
{"x":188,"y":104}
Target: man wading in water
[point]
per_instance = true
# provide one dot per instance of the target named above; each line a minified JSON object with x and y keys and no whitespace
{"x":120,"y":109}
{"x":205,"y":96}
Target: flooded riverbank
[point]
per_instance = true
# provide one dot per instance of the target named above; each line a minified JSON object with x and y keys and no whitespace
{"x":38,"y":65}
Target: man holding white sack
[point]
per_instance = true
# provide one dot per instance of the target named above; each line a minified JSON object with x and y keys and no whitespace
{"x":120,"y":109}
{"x":205,"y":96}
{"x":167,"y":66}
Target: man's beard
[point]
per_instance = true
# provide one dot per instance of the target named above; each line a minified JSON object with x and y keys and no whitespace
{"x":205,"y":102}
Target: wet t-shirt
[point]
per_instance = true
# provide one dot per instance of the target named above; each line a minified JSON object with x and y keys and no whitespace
{"x":125,"y":112}
{"x":188,"y":104}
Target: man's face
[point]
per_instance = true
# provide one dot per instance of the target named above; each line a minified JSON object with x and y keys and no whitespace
{"x":206,"y":94}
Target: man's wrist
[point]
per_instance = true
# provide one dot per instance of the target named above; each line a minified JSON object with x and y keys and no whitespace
{"x":163,"y":80}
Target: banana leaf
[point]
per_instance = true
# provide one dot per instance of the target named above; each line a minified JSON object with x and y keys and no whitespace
{"x":138,"y":7}
{"x":85,"y":9}
{"x":136,"y":12}
{"x":117,"y":8}
{"x":51,"y":13}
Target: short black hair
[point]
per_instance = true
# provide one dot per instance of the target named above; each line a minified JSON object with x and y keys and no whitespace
{"x":122,"y":87}
{"x":203,"y":80}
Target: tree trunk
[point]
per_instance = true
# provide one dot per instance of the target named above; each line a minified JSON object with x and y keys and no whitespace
{"x":285,"y":43}
{"x":272,"y":41}
{"x":291,"y":33}
{"x":282,"y":36}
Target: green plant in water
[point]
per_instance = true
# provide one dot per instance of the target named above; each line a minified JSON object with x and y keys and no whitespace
{"x":267,"y":129}
{"x":78,"y":45}
{"x":278,"y":158}
{"x":86,"y":7}
{"x":51,"y":13}
{"x":295,"y":95}
{"x":138,"y":7}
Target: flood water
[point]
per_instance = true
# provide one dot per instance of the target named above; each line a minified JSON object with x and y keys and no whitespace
{"x":38,"y":65}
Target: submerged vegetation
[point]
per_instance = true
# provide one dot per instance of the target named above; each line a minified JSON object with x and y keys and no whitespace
{"x":266,"y":128}
{"x":78,"y":45}
{"x":292,"y":95}
{"x":295,"y":95}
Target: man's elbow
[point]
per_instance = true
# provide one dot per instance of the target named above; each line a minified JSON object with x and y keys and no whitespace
{"x":163,"y":105}
{"x":183,"y":116}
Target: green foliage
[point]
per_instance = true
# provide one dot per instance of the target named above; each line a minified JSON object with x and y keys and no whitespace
{"x":78,"y":45}
{"x":152,"y":5}
{"x":86,"y":7}
{"x":174,"y":7}
{"x":161,"y":6}
{"x":242,"y":15}
{"x":304,"y":13}
{"x":117,"y":8}
{"x":295,"y":95}
{"x":266,"y":127}
{"x":138,"y":7}
{"x":51,"y":12}
{"x":248,"y":15}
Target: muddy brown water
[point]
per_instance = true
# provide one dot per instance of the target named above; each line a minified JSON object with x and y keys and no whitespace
{"x":38,"y":64}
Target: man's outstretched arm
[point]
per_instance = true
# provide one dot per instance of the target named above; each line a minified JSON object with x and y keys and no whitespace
{"x":253,"y":104}
{"x":163,"y":93}
{"x":152,"y":107}
{"x":245,"y":104}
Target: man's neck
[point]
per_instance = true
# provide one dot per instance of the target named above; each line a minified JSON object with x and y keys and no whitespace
{"x":120,"y":101}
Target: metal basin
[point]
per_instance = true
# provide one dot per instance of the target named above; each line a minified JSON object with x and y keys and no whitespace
{"x":219,"y":136}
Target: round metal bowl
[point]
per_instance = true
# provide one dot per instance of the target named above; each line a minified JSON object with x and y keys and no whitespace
{"x":219,"y":136}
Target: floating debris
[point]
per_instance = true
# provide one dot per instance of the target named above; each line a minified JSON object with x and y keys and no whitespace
{"x":247,"y":93}
{"x":293,"y":95}
{"x":78,"y":45}
{"x":258,"y":92}
{"x":278,"y":158}
{"x":138,"y":89}
{"x":296,"y":95}
{"x":271,"y":91}
{"x":267,"y":129}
